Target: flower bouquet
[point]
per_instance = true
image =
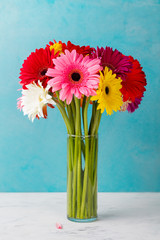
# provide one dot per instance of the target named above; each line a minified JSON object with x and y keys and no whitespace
{"x":71,"y":78}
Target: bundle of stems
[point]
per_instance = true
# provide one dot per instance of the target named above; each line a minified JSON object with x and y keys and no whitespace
{"x":81,"y":182}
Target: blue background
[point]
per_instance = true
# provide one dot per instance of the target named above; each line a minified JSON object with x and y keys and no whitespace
{"x":33,"y":155}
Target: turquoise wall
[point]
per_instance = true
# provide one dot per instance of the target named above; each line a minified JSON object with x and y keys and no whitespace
{"x":33,"y":155}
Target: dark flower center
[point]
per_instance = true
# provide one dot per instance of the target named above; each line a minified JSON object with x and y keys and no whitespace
{"x":75,"y":76}
{"x":110,"y":66}
{"x":43,"y":72}
{"x":107,"y":90}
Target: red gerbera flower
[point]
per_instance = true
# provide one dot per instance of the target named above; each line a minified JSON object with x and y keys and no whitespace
{"x":35,"y":67}
{"x":84,"y":50}
{"x":133,"y":84}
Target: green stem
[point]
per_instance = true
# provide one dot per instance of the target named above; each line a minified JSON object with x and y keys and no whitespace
{"x":96,"y":122}
{"x":64,"y":115}
{"x":69,"y":177}
{"x":95,"y":179}
{"x":71,"y":119}
{"x":73,"y":109}
{"x":92,"y":129}
{"x":95,"y":156}
{"x":99,"y":119}
{"x":85,"y":117}
{"x":79,"y":186}
{"x":78,"y":132}
{"x":94,"y":125}
{"x":91,"y":167}
{"x":84,"y":192}
{"x":59,"y":100}
{"x":76,"y":179}
{"x":94,"y":105}
{"x":83,"y":107}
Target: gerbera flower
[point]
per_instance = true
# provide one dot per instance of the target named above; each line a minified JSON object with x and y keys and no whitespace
{"x":19,"y":103}
{"x":74,"y":74}
{"x":84,"y":50}
{"x":133,"y":84}
{"x":56,"y":47}
{"x":35,"y":67}
{"x":132,"y":106}
{"x":34,"y":101}
{"x":108,"y":94}
{"x":114,"y":60}
{"x":125,"y":105}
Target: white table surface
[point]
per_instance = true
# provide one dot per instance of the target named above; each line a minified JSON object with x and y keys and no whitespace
{"x":121,"y":216}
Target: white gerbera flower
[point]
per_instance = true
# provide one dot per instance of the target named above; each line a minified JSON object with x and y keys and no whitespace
{"x":34,"y":100}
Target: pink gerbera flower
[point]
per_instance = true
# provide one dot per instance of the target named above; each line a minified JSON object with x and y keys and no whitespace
{"x":74,"y":74}
{"x":114,"y":60}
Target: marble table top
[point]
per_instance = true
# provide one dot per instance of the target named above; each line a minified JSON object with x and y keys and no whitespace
{"x":121,"y":216}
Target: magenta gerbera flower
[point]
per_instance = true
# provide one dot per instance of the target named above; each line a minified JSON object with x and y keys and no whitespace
{"x":114,"y":60}
{"x":134,"y":105}
{"x":74,"y":74}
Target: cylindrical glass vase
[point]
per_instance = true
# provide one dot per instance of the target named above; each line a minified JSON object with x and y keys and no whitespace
{"x":82,"y":156}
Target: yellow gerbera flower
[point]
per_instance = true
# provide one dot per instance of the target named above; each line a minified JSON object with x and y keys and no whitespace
{"x":108,"y":95}
{"x":57,"y":48}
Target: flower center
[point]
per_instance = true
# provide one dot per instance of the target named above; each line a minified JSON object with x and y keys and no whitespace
{"x":75,"y":76}
{"x":43,"y":71}
{"x":110,"y":66}
{"x":107,"y":90}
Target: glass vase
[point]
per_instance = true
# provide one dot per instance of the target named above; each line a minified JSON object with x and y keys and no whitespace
{"x":82,"y":156}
